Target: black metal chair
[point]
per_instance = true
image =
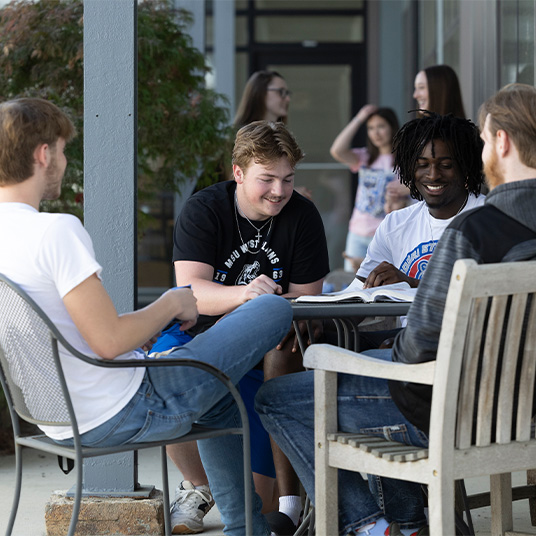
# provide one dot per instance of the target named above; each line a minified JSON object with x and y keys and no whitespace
{"x":33,"y":381}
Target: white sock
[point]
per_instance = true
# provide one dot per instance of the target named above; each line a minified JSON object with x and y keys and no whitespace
{"x":376,"y":528}
{"x":291,"y":506}
{"x":408,"y":532}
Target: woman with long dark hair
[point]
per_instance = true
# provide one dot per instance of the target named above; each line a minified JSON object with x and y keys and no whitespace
{"x":437,"y":89}
{"x":375,"y":166}
{"x":266,"y":96}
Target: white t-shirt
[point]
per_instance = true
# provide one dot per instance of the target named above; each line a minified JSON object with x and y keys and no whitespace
{"x":406,"y":238}
{"x":48,"y":255}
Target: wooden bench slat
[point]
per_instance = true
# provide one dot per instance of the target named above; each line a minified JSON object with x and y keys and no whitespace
{"x":464,"y":422}
{"x":488,"y":372}
{"x":526,"y":387}
{"x":380,"y":447}
{"x":508,"y":373}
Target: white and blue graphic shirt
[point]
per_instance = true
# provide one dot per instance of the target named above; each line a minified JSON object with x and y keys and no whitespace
{"x":370,"y":197}
{"x":407,"y":238}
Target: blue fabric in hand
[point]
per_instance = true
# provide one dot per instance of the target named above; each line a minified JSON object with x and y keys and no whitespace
{"x":170,"y":339}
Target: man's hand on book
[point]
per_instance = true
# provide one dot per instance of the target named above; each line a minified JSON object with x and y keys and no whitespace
{"x":386,"y":274}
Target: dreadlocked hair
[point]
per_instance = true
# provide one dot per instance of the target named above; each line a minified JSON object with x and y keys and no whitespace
{"x":461,"y":136}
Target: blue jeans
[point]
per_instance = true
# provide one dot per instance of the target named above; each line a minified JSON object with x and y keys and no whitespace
{"x":356,"y":246}
{"x":286,"y":408}
{"x":170,"y":399}
{"x":262,"y":459}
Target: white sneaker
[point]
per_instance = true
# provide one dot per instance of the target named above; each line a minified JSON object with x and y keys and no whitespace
{"x":189,"y":508}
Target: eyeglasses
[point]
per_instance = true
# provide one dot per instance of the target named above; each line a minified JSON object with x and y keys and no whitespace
{"x":283,"y":92}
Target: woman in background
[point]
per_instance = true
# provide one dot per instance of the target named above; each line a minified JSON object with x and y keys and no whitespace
{"x":266,"y":96}
{"x":437,"y":90}
{"x":375,"y":166}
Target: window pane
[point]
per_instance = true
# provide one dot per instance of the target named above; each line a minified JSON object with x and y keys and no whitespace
{"x":427,"y":23}
{"x":525,"y":67}
{"x":451,"y":34}
{"x":242,"y":75}
{"x":320,"y":105}
{"x":332,"y":195}
{"x":155,"y":247}
{"x":451,"y":50}
{"x":241,"y":31}
{"x":451,"y":13}
{"x":319,"y":108}
{"x":309,"y":29}
{"x":517,"y":42}
{"x":297,"y":5}
{"x":209,"y":31}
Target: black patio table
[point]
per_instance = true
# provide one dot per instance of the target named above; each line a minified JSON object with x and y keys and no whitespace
{"x":345,"y":315}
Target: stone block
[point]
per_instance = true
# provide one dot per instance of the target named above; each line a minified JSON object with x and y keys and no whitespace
{"x":107,"y":516}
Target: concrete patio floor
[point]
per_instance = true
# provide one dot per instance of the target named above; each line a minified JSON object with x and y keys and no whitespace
{"x":42,"y":476}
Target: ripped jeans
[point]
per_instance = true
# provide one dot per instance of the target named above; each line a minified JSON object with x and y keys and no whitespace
{"x":286,"y":408}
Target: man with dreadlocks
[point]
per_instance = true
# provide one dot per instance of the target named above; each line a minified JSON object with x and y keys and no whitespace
{"x":439,"y":159}
{"x":502,"y":230}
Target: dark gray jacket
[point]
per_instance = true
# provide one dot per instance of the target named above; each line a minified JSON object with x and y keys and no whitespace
{"x":503,"y":230}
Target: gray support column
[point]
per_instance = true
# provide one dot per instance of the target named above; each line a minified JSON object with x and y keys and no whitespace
{"x":224,"y":50}
{"x":110,"y":122}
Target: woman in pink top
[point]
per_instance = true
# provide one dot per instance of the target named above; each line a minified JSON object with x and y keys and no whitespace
{"x":379,"y":191}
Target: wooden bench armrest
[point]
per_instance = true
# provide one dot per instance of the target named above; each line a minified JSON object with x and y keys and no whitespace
{"x":334,"y":359}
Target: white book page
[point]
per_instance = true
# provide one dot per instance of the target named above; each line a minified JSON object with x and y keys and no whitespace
{"x":395,"y":292}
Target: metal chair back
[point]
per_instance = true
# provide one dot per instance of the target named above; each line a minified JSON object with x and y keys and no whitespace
{"x":32,"y":377}
{"x":29,"y":359}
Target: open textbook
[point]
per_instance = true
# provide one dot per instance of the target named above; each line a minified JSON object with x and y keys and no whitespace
{"x":397,"y":292}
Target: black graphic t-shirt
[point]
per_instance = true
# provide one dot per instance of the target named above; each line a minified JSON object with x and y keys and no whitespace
{"x":293,"y":250}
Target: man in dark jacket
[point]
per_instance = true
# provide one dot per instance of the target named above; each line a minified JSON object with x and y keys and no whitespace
{"x":502,"y":230}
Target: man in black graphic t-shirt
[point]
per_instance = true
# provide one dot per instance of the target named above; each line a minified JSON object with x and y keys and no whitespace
{"x":255,"y":235}
{"x":291,"y":253}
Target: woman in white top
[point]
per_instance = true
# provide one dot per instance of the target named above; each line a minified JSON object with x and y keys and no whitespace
{"x":437,"y":89}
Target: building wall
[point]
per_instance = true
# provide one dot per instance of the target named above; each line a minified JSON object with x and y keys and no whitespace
{"x":397,"y":55}
{"x":488,"y":43}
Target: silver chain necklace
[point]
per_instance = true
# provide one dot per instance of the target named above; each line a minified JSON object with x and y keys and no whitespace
{"x":258,"y":229}
{"x":459,"y":210}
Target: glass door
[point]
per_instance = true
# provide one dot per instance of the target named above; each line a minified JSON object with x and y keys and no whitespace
{"x":326,"y":90}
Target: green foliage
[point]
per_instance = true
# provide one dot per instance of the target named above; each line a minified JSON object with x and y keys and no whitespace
{"x":182,"y":126}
